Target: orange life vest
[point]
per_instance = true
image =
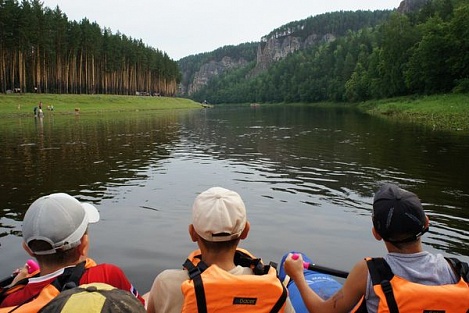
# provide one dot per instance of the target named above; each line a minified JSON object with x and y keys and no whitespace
{"x":212,"y":289}
{"x":49,"y":292}
{"x":399,"y":295}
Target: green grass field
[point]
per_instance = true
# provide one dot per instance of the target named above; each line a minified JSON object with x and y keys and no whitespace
{"x":445,"y":112}
{"x":23,"y":104}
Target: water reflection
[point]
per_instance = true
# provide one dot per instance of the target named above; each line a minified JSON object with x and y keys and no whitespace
{"x":76,"y":153}
{"x":342,"y":156}
{"x":307,"y":176}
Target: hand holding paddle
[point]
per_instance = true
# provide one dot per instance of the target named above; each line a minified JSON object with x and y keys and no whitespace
{"x":321,"y":269}
{"x":30,"y":268}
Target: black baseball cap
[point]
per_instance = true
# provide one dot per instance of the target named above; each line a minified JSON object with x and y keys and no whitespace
{"x":398,"y":214}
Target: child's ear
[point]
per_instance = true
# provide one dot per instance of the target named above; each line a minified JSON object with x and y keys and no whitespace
{"x":376,"y":235}
{"x":193,"y":233}
{"x":246,"y":229}
{"x":84,"y":245}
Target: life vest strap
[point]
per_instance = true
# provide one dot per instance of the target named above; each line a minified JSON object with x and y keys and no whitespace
{"x":382,"y":274}
{"x":255,"y":264}
{"x":461,"y":268}
{"x":70,"y":277}
{"x":281,"y":301}
{"x":195,"y":272}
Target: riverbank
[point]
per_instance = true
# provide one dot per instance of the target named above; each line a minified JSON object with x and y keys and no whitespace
{"x":23,"y":104}
{"x":442,"y":112}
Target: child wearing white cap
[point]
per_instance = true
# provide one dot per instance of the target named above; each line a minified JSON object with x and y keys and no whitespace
{"x":218,"y":224}
{"x":55,"y":232}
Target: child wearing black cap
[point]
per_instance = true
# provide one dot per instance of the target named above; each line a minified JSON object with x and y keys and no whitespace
{"x":407,"y":279}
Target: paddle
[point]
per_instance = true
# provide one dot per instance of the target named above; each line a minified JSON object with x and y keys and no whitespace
{"x":321,"y":269}
{"x":30,"y":264}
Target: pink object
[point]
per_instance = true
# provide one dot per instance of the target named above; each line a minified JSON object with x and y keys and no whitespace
{"x":32,"y":266}
{"x":296,"y":256}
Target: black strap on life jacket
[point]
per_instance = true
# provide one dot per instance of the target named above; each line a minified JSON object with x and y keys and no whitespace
{"x":70,"y":278}
{"x":245,"y":260}
{"x":195,"y":274}
{"x":255,"y":264}
{"x":459,"y":267}
{"x":382,"y":274}
{"x":279,"y":304}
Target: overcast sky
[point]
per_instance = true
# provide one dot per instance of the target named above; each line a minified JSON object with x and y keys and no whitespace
{"x":185,"y":27}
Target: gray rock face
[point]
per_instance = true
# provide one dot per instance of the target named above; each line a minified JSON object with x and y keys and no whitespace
{"x":276,"y":48}
{"x":407,"y":6}
{"x":212,"y":69}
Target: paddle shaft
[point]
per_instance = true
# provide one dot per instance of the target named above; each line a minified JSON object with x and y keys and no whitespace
{"x":322,"y":269}
{"x":325,"y":270}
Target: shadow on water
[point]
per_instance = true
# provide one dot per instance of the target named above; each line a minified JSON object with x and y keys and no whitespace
{"x":307,"y":176}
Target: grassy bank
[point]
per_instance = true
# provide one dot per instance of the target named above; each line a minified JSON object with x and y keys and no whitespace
{"x":23,"y":104}
{"x":444,"y":112}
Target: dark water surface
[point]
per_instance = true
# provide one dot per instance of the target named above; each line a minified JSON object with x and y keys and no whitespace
{"x":307,"y":176}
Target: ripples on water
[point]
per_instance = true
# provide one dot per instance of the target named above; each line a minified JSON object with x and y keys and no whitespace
{"x":307,"y":177}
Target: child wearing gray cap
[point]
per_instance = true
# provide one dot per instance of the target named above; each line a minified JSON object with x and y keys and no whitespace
{"x":55,"y":233}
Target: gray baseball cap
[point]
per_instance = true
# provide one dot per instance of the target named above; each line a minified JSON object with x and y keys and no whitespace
{"x":58,"y":219}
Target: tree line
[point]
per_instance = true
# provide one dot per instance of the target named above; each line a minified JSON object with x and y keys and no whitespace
{"x":423,"y":52}
{"x":42,"y":51}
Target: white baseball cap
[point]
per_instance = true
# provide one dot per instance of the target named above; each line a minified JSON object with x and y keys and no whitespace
{"x":58,"y":219}
{"x":219,"y":214}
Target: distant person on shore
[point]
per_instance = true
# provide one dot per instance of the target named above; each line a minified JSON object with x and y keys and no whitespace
{"x":38,"y":110}
{"x":398,"y":219}
{"x":218,"y":224}
{"x":55,"y":232}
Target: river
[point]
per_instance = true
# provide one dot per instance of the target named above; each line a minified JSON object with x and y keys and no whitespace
{"x":307,"y":177}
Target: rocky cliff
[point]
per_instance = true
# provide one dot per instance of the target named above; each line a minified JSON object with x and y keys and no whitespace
{"x":407,"y":6}
{"x":209,"y":70}
{"x":276,"y":47}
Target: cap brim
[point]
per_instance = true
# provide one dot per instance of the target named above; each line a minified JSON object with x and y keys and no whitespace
{"x":91,"y":212}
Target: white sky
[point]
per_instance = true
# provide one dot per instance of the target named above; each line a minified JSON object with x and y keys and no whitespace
{"x":185,"y":27}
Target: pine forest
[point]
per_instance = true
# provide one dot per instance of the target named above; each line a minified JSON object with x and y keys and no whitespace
{"x":42,"y":51}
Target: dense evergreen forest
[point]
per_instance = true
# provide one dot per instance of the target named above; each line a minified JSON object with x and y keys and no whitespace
{"x":42,"y":51}
{"x":423,"y":52}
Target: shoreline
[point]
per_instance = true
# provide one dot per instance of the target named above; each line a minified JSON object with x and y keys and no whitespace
{"x":447,"y":112}
{"x":24,"y":104}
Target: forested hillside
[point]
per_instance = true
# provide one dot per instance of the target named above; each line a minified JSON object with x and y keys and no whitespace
{"x":420,"y":52}
{"x":42,"y":51}
{"x":198,"y":70}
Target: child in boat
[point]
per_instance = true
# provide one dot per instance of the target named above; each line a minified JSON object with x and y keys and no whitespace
{"x":399,"y":220}
{"x":55,"y":233}
{"x":218,"y":224}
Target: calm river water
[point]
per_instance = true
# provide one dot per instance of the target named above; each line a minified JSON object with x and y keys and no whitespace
{"x":307,"y":176}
